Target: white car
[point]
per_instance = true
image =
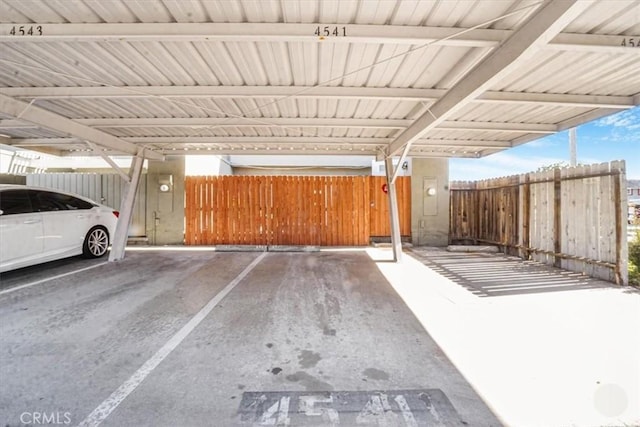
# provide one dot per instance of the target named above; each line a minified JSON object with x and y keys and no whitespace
{"x":39,"y":225}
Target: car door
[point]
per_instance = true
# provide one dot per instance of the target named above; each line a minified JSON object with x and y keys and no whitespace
{"x":65,"y":220}
{"x":20,"y":229}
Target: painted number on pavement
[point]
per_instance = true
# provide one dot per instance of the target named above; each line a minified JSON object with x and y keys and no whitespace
{"x":410,"y":408}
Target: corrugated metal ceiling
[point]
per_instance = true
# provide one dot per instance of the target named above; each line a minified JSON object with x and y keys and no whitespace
{"x":382,"y":66}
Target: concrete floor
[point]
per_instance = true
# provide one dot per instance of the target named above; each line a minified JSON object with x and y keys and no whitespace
{"x":302,"y":339}
{"x":542,"y":346}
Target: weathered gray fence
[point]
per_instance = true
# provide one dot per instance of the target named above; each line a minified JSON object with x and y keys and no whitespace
{"x":573,"y":218}
{"x":103,"y":188}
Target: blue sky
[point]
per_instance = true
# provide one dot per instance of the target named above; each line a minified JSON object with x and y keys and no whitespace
{"x":615,"y":137}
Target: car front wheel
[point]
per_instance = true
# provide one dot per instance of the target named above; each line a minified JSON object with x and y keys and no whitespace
{"x":95,"y":243}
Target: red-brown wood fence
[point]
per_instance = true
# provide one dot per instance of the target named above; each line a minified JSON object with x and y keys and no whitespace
{"x":379,"y":207}
{"x":291,"y":210}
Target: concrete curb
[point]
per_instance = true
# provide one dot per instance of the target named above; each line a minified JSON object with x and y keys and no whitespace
{"x":286,"y":248}
{"x":265,"y":248}
{"x":471,"y":248}
{"x":241,"y":248}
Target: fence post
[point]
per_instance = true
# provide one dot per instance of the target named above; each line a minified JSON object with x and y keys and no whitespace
{"x":620,"y":199}
{"x":557,"y":217}
{"x":476,"y":201}
{"x":525,"y":253}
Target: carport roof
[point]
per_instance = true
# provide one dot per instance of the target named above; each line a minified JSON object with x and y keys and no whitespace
{"x":418,"y":78}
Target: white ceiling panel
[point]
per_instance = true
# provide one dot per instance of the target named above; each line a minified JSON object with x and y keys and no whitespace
{"x":150,"y":11}
{"x":392,"y":62}
{"x":608,"y":17}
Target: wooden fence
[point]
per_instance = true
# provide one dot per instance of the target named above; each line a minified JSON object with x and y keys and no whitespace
{"x":290,"y":210}
{"x":573,"y":218}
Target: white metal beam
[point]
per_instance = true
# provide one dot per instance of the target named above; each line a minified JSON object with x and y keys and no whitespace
{"x":544,"y":24}
{"x":326,"y":150}
{"x":582,"y":118}
{"x":16,"y":124}
{"x":420,"y":153}
{"x":31,"y":113}
{"x":289,"y":150}
{"x":47,"y":150}
{"x":430,"y":151}
{"x":585,"y":117}
{"x":42,"y":142}
{"x":367,"y":151}
{"x":311,"y":122}
{"x":111,"y":163}
{"x":250,"y":32}
{"x":320,"y":92}
{"x":605,"y":43}
{"x":394,"y":216}
{"x":119,"y":240}
{"x":561,"y":100}
{"x":247,"y":122}
{"x":453,"y":143}
{"x":237,"y":92}
{"x":498,"y":127}
{"x":328,"y":92}
{"x":308,"y":140}
{"x":269,"y":140}
{"x":567,"y":124}
{"x":294,"y":32}
{"x":255,"y":140}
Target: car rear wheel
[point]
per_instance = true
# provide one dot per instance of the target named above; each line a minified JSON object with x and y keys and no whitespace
{"x":95,"y":243}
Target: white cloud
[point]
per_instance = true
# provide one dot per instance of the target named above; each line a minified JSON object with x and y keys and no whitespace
{"x":629,"y":119}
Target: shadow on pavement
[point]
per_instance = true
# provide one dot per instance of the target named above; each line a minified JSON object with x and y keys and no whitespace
{"x":490,"y":275}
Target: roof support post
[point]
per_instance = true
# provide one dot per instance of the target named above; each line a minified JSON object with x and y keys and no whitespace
{"x":394,"y":219}
{"x":126,"y":208}
{"x":11,"y":162}
{"x":573,"y":150}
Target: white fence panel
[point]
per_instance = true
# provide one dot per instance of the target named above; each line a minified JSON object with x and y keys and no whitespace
{"x":103,"y":188}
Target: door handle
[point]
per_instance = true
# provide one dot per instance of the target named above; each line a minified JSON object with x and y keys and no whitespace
{"x":32,"y":221}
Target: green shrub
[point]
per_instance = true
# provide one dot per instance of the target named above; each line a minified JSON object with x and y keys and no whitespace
{"x":634,"y":260}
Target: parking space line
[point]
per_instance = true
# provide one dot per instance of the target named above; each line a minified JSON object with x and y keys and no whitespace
{"x":37,"y":282}
{"x":107,"y":407}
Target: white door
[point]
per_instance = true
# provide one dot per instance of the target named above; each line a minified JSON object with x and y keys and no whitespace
{"x":20,"y":230}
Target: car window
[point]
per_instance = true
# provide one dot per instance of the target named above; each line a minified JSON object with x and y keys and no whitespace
{"x":15,"y":202}
{"x":46,"y":201}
